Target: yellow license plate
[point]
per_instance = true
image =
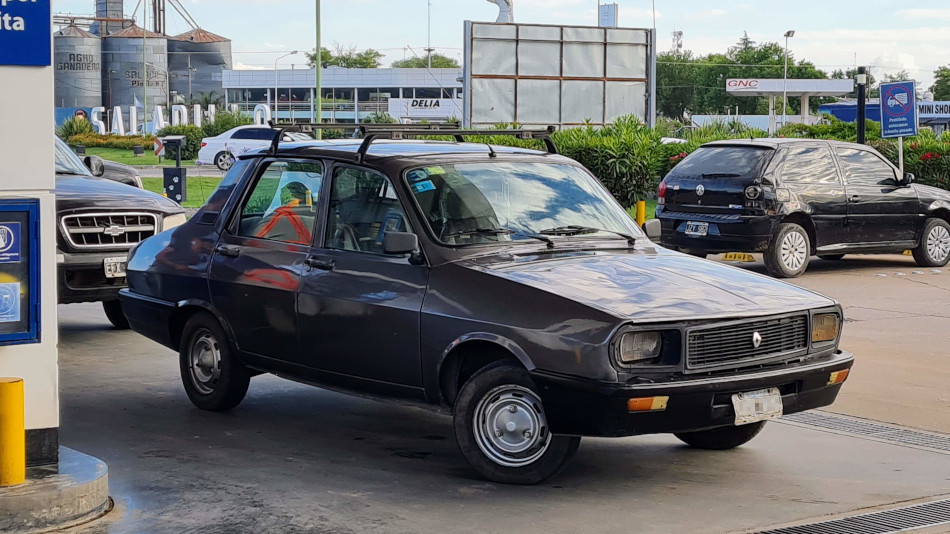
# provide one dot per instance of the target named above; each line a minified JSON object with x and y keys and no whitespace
{"x":738,"y":256}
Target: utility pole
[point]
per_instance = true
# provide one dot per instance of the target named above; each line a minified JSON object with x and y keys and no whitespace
{"x":318,"y":68}
{"x":429,"y":33}
{"x":862,"y":80}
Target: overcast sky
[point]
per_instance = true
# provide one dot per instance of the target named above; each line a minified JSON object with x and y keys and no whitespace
{"x":889,"y":36}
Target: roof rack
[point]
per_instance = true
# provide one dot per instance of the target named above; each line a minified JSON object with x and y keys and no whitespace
{"x":372,"y":132}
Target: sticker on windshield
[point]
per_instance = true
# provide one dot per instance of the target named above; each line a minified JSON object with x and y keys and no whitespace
{"x":422,"y":187}
{"x":416,"y":175}
{"x":435,"y":170}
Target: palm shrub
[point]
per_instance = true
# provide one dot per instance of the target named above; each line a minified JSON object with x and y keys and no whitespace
{"x":74,"y":126}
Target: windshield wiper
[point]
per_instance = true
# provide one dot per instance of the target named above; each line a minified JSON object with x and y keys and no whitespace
{"x":504,"y":231}
{"x":574,"y":229}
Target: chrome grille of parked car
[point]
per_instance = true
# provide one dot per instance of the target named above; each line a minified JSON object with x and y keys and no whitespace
{"x":118,"y":230}
{"x":732,"y":345}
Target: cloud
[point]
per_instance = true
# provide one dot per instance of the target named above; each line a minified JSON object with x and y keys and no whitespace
{"x":929,"y":14}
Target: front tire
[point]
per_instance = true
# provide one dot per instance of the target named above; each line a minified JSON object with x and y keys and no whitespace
{"x":501,"y":427}
{"x":788,"y":252}
{"x":934,"y":248}
{"x":223,"y":160}
{"x":114,"y":313}
{"x":722,"y":438}
{"x":213,"y":378}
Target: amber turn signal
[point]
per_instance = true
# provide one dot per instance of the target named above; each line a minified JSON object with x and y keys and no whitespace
{"x":647,"y":404}
{"x":838,"y":377}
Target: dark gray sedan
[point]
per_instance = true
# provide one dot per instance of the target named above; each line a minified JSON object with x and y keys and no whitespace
{"x":504,"y":285}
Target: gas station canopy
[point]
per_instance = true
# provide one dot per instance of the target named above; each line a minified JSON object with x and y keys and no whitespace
{"x":791,"y":87}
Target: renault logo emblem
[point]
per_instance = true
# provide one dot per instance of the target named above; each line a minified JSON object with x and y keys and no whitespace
{"x":756,"y":339}
{"x":700,"y":190}
{"x":114,"y":230}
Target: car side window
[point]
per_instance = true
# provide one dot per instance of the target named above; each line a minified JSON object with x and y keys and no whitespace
{"x":258,"y":134}
{"x":363,"y":207}
{"x":809,"y":165}
{"x":283,"y":204}
{"x":864,"y":168}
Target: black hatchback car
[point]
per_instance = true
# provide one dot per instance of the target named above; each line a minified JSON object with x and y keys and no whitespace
{"x":794,"y":198}
{"x":504,"y":285}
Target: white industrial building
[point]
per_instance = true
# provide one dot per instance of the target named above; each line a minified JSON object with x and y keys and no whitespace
{"x":349,"y":95}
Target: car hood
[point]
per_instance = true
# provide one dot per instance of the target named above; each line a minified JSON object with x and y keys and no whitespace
{"x":660,"y":286}
{"x":77,"y":192}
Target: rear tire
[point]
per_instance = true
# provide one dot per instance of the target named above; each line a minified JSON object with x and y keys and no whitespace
{"x":788,"y":252}
{"x":722,"y":438}
{"x":501,"y":427}
{"x":831,"y":257}
{"x":934,"y":248}
{"x":114,"y":313}
{"x":223,"y":160}
{"x":213,"y":378}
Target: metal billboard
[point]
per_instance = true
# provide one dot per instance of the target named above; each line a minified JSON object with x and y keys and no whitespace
{"x":557,"y":75}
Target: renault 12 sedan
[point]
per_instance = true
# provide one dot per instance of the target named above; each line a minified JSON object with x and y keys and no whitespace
{"x":504,"y":285}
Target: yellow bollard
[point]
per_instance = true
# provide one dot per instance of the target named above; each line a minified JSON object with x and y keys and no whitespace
{"x":12,"y":432}
{"x":641,"y":212}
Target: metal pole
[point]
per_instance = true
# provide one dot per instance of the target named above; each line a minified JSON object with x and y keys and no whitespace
{"x":862,"y":103}
{"x":785,"y":85}
{"x":318,"y":68}
{"x":429,"y":38}
{"x":900,"y":156}
{"x":144,"y":73}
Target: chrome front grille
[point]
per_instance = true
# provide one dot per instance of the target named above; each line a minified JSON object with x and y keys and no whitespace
{"x":108,"y":230}
{"x":733,"y":345}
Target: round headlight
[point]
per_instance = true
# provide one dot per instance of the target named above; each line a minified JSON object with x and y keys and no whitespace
{"x":753,"y":192}
{"x":637,"y":347}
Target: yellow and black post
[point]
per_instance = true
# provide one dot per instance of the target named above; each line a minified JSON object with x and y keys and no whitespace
{"x":12,"y":432}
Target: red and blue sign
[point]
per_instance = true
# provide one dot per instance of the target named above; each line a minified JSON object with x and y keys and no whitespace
{"x":898,"y":109}
{"x":26,"y":32}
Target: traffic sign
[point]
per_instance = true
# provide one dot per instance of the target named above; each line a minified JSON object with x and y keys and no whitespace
{"x":25,"y":32}
{"x":898,"y":109}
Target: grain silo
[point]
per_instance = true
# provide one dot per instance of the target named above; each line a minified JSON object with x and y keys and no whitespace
{"x":195,"y":61}
{"x":124,"y":56}
{"x":77,"y":56}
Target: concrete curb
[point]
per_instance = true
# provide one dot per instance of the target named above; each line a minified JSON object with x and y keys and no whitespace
{"x":56,"y":496}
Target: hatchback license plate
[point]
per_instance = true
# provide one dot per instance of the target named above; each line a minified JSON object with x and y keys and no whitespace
{"x":115,"y":267}
{"x":697,"y":228}
{"x":757,"y":406}
{"x":738,"y":256}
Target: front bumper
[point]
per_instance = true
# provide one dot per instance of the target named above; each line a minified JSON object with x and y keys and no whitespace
{"x":82,"y":277}
{"x":727,"y":233}
{"x":584,"y":408}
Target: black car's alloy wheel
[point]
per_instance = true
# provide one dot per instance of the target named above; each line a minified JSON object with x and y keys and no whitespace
{"x":934,"y":248}
{"x":722,"y":438}
{"x":501,"y":427}
{"x":223,"y":161}
{"x":788,"y":252}
{"x":114,"y":313}
{"x":214,"y":380}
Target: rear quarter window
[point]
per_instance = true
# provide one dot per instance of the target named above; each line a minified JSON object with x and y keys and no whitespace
{"x":724,"y":160}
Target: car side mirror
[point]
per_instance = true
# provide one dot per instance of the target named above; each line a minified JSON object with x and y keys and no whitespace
{"x":908,"y":179}
{"x":400,"y":243}
{"x":95,"y":165}
{"x":652,"y":229}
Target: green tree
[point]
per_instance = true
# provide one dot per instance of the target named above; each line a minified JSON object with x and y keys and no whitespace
{"x":347,"y":58}
{"x":941,"y":86}
{"x":851,"y":74}
{"x":438,"y":62}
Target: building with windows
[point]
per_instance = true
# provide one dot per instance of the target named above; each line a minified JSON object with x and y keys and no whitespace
{"x":349,"y":95}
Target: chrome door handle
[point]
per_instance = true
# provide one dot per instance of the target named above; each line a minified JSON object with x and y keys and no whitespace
{"x":854,"y":198}
{"x":228,"y":250}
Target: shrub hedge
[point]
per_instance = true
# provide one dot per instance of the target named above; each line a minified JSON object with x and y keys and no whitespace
{"x":111,"y":140}
{"x":193,"y":136}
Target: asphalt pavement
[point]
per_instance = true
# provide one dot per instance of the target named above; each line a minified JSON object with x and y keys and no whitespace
{"x":294,"y":458}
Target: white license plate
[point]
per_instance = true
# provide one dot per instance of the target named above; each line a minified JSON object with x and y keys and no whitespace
{"x":757,"y":405}
{"x":697,"y":228}
{"x":115,"y":267}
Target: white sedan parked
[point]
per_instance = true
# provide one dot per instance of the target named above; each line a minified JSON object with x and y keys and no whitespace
{"x":222,"y":149}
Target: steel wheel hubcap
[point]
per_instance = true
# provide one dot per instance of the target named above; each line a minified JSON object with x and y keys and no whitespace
{"x":510,"y":426}
{"x":938,"y":243}
{"x":794,"y":250}
{"x":204,"y":361}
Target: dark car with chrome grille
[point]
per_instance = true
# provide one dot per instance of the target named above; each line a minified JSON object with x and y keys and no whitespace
{"x":99,"y":221}
{"x":501,"y":285}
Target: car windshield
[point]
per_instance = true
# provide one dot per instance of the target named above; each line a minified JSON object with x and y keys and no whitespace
{"x":483,"y":203}
{"x":67,"y":162}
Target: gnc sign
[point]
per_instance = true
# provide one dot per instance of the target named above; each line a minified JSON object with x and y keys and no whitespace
{"x":738,"y":85}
